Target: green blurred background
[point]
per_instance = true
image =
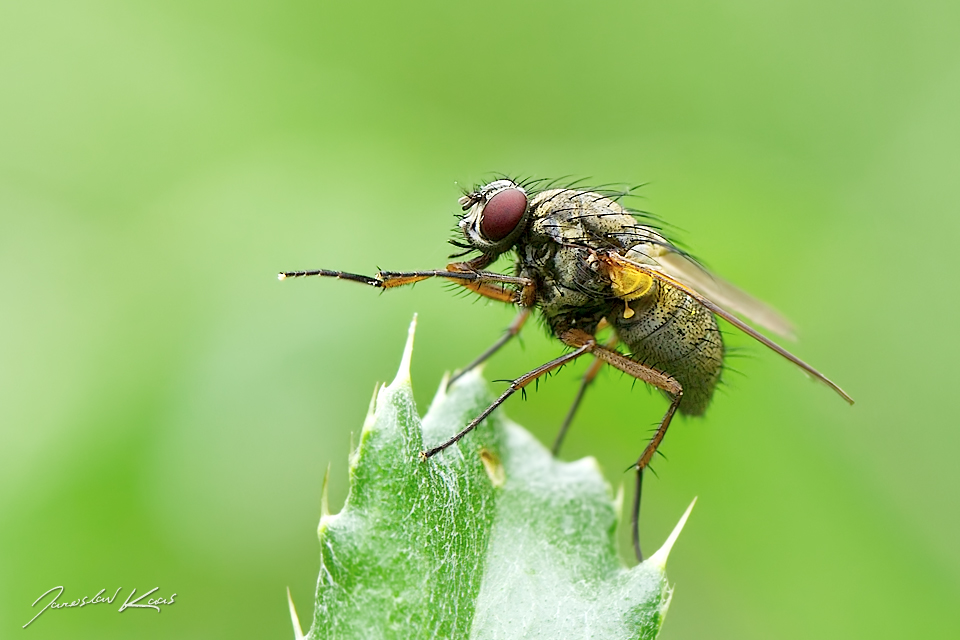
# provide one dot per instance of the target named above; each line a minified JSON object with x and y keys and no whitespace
{"x":168,"y":408}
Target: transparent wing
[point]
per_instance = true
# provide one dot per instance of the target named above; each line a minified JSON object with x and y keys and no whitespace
{"x":618,"y":263}
{"x":724,"y":294}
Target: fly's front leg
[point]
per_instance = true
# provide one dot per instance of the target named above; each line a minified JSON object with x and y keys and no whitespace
{"x":486,"y":283}
{"x":525,"y":295}
{"x":482,"y":282}
{"x":471,"y":275}
{"x":327,"y":273}
{"x":660,"y":380}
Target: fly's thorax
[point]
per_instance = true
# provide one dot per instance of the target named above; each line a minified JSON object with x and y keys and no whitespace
{"x":565,"y":229}
{"x":570,"y":294}
{"x":585,"y":218}
{"x":671,"y":332}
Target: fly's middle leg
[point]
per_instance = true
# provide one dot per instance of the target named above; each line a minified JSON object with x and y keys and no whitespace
{"x":588,"y":378}
{"x":515,"y":386}
{"x":512,"y":331}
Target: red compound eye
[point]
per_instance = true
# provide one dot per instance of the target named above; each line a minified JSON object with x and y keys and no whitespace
{"x":502,"y":214}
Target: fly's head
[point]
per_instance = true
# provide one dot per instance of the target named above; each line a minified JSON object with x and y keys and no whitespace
{"x":495,"y":216}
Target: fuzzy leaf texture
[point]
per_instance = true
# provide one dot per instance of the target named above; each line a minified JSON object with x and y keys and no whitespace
{"x":492,"y":538}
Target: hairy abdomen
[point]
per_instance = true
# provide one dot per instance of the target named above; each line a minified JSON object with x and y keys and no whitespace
{"x":673,"y":333}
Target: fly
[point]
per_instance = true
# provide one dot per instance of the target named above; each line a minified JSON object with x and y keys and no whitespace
{"x":585,"y":263}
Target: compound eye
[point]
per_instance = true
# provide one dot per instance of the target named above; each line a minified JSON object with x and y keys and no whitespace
{"x":502,"y":214}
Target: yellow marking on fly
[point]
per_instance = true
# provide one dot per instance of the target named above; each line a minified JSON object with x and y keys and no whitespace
{"x":627,"y":281}
{"x":629,"y":284}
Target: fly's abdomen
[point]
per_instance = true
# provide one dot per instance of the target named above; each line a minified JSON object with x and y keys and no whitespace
{"x":668,"y":330}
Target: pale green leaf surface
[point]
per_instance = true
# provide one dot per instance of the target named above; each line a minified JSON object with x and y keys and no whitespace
{"x":453,"y":548}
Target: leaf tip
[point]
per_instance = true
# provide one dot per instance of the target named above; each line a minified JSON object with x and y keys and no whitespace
{"x":659,"y":559}
{"x":403,"y":373}
{"x":618,"y":502}
{"x":371,"y":416}
{"x":294,"y":619}
{"x":325,"y":515}
{"x":441,"y":390}
{"x":324,"y":494}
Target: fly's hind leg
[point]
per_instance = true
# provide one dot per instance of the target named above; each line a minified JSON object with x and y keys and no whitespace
{"x":577,"y":338}
{"x":642,"y":463}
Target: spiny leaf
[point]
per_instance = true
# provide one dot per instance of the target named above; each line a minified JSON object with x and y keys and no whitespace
{"x":492,"y":538}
